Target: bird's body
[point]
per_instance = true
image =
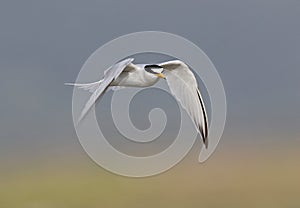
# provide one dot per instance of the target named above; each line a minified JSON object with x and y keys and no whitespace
{"x":137,"y":77}
{"x":181,"y":81}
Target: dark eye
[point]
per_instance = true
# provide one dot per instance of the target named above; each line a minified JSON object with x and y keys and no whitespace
{"x":148,"y":69}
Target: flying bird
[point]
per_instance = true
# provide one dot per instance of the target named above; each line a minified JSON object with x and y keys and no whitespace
{"x":179,"y":77}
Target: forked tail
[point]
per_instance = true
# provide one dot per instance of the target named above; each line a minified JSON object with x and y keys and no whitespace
{"x":91,"y":87}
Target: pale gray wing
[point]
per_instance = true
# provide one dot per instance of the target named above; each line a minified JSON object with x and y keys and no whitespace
{"x":109,"y":75}
{"x":184,"y":87}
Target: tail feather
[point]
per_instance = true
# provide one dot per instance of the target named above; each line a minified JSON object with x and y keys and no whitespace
{"x":91,"y":87}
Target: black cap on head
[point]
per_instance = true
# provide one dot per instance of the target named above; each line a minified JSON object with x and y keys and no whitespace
{"x":152,"y":66}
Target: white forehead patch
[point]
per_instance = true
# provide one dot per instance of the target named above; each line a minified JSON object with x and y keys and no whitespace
{"x":157,"y":70}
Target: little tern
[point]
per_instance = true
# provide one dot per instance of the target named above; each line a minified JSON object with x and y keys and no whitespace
{"x":179,"y":77}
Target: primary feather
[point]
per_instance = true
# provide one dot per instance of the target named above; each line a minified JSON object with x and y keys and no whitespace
{"x":184,"y":87}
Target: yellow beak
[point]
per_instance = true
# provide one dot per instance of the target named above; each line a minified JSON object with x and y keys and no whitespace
{"x":161,"y":75}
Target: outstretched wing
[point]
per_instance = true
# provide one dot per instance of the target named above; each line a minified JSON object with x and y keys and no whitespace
{"x":184,"y":87}
{"x":109,"y":75}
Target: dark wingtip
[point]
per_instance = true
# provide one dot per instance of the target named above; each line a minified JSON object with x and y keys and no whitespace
{"x":205,"y":142}
{"x":204,"y":137}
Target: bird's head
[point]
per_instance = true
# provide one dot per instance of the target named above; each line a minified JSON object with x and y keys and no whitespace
{"x":155,"y":70}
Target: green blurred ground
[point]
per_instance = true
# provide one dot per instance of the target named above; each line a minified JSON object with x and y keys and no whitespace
{"x":243,"y":178}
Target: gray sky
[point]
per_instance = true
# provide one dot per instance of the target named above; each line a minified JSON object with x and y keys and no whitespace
{"x":253,"y":44}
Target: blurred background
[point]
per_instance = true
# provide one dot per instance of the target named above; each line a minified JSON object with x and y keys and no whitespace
{"x":253,"y":44}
